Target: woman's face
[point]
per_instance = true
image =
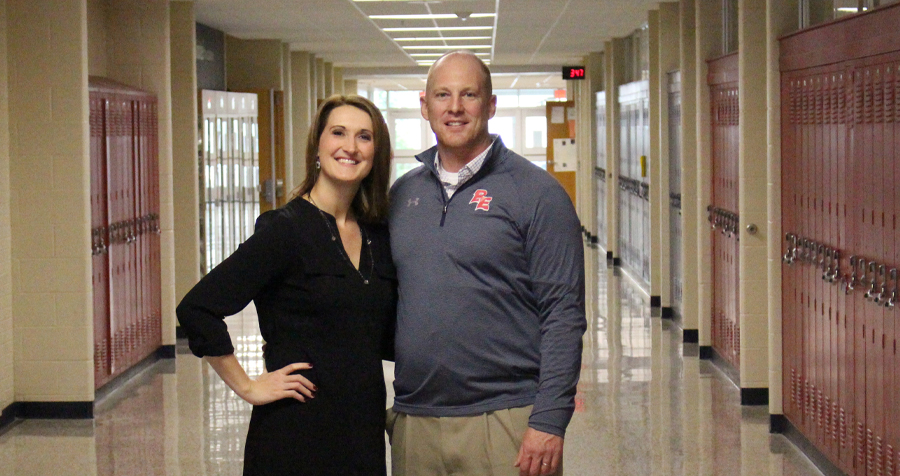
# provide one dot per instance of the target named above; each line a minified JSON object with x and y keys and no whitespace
{"x":347,"y":146}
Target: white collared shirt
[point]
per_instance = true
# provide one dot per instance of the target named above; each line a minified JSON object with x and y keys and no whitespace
{"x":452,"y":181}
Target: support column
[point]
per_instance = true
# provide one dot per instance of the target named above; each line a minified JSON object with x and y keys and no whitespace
{"x":586,"y":141}
{"x":615,"y":66}
{"x":301,"y":97}
{"x":656,"y":185}
{"x":781,"y":19}
{"x":185,"y":185}
{"x":350,"y":86}
{"x":689,"y":210}
{"x":6,"y":315}
{"x":338,"y":74}
{"x":287,"y":87}
{"x":151,"y":71}
{"x":50,"y":222}
{"x":329,"y":79}
{"x":752,"y":202}
{"x":669,"y":60}
{"x":709,"y":45}
{"x":320,"y":81}
{"x":313,"y":86}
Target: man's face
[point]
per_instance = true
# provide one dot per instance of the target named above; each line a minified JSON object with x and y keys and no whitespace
{"x":457,"y":105}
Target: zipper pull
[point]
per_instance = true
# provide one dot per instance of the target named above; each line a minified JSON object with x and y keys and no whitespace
{"x":444,"y":215}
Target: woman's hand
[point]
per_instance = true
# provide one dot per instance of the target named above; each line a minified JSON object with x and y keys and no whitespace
{"x":268,"y":387}
{"x":272,"y":386}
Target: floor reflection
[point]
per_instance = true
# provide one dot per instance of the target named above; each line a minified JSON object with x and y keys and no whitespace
{"x":642,"y":408}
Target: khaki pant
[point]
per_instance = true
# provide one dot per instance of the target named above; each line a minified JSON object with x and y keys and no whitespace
{"x":480,"y":445}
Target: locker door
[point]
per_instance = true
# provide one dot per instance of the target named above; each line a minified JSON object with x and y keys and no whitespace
{"x":99,"y":239}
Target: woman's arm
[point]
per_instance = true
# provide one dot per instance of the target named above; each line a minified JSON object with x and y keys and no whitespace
{"x":268,"y":387}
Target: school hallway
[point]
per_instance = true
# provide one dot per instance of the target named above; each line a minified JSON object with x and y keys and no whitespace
{"x":646,"y":405}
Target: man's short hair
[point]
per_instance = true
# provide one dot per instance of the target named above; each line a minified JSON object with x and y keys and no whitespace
{"x":486,"y":84}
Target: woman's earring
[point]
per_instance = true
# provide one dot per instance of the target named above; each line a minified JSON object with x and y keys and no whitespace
{"x":318,"y":165}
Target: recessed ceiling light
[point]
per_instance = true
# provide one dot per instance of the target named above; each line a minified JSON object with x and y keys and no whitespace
{"x":443,"y":38}
{"x":447,"y":47}
{"x":440,"y":28}
{"x":434,"y":16}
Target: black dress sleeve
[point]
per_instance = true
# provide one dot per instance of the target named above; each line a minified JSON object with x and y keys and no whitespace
{"x":230,"y":286}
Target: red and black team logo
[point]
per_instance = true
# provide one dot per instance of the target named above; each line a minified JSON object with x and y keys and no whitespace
{"x":481,"y":198}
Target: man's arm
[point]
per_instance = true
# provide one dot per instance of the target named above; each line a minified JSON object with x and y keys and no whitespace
{"x":556,"y":266}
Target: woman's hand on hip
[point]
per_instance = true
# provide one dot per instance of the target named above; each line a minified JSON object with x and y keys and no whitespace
{"x":272,"y":386}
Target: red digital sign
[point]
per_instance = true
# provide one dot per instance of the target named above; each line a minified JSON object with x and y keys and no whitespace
{"x":573,"y":72}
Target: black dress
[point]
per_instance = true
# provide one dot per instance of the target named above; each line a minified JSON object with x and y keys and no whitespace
{"x":315,"y":307}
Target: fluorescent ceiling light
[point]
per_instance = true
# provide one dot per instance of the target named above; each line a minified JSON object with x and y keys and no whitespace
{"x":850,"y":9}
{"x":437,"y":55}
{"x":448,"y":47}
{"x":440,"y":28}
{"x":435,"y":16}
{"x":442,"y":38}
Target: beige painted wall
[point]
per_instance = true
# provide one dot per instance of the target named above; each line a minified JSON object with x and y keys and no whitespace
{"x":185,"y":187}
{"x":287,"y":85}
{"x":50,"y":201}
{"x":302,"y":94}
{"x":138,"y":54}
{"x":97,"y":18}
{"x":669,"y":51}
{"x":689,"y":211}
{"x":656,"y":185}
{"x":253,"y":64}
{"x":6,"y":323}
{"x":350,"y":86}
{"x":752,"y":200}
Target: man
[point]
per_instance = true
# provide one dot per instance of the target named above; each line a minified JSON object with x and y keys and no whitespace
{"x":491,"y":312}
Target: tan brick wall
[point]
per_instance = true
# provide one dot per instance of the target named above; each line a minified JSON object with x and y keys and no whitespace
{"x":6,"y":334}
{"x":50,"y":202}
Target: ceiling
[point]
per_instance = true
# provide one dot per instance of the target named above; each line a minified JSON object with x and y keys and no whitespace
{"x":529,"y":39}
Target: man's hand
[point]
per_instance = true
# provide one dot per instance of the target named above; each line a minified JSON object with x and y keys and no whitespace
{"x":540,"y":454}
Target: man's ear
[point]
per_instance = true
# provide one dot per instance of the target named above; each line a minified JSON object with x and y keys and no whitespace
{"x":423,"y":106}
{"x":493,"y":106}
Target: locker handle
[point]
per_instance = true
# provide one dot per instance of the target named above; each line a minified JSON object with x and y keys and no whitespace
{"x":882,"y":272}
{"x":851,"y":279}
{"x":873,"y":267}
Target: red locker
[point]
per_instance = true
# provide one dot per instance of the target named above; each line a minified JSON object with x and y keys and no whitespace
{"x":840,"y":176}
{"x":125,"y":211}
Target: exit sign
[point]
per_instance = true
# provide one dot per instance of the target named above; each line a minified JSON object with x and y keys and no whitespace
{"x":573,"y":72}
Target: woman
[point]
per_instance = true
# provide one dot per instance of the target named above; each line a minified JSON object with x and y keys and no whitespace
{"x":319,"y":271}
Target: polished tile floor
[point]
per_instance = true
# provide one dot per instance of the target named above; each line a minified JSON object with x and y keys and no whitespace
{"x":645,"y":406}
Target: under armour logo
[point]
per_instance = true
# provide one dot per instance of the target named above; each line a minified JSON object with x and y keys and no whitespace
{"x":481,"y":198}
{"x":412,"y":202}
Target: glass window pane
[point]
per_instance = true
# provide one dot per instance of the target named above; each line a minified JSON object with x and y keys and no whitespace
{"x":380,"y":99}
{"x":535,"y":132}
{"x":408,"y":134}
{"x":505,"y":126}
{"x":403,"y":99}
{"x":507,"y":97}
{"x":534,"y":97}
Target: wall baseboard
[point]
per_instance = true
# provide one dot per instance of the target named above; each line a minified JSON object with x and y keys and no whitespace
{"x":780,"y":424}
{"x":55,"y":410}
{"x":690,"y":336}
